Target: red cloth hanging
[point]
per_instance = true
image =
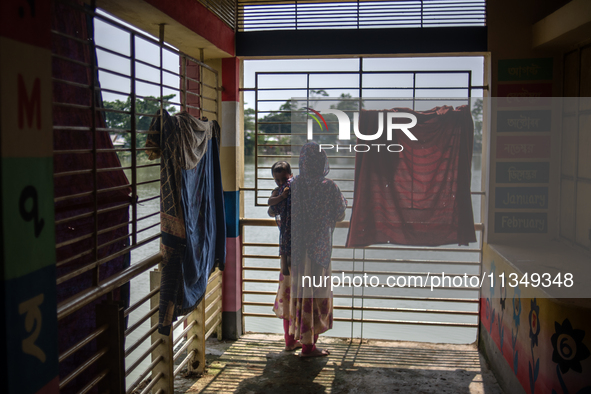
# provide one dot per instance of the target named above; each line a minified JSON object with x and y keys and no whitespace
{"x":420,"y":196}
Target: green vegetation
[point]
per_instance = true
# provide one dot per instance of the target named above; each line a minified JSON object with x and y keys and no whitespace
{"x":275,"y":127}
{"x":477,"y":116}
{"x":121,"y":122}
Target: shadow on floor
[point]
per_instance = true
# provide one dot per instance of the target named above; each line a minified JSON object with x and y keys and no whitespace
{"x":256,"y":363}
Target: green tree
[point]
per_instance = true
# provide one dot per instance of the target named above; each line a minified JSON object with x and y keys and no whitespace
{"x":122,"y":121}
{"x":278,"y":121}
{"x":346,"y":103}
{"x":477,"y":116}
{"x":248,"y":131}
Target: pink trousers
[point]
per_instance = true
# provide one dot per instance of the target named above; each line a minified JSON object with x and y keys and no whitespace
{"x":290,"y":340}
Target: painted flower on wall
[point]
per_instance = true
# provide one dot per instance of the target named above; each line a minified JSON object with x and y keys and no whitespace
{"x":517,"y":306}
{"x":534,"y":331}
{"x":569,"y":349}
{"x":503,"y":296}
{"x":534,"y":324}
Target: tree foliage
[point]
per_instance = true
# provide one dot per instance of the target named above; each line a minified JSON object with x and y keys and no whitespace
{"x":477,"y":116}
{"x":248,"y":131}
{"x":121,"y":122}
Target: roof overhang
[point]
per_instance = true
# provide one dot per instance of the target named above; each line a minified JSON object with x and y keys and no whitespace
{"x":564,"y":28}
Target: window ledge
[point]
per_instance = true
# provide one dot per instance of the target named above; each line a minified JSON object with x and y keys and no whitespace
{"x":552,"y":257}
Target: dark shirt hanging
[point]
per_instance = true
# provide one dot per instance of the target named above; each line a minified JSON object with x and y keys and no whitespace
{"x":191,"y":211}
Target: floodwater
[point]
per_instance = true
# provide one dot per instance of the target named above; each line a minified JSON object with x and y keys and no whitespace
{"x":426,"y":333}
{"x":140,"y":285}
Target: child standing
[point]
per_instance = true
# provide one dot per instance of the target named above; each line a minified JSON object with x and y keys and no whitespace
{"x":280,"y":207}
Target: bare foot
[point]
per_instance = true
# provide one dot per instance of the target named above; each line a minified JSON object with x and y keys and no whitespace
{"x":315,"y":353}
{"x":295,"y":346}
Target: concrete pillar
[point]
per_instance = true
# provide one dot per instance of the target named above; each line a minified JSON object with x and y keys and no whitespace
{"x":232,"y":174}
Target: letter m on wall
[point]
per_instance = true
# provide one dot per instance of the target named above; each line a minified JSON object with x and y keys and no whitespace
{"x":29,"y":104}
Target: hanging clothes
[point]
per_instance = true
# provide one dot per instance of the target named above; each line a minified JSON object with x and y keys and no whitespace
{"x":191,"y":210}
{"x":420,"y":196}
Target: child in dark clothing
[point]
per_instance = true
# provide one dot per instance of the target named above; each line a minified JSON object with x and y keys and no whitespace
{"x":280,"y":208}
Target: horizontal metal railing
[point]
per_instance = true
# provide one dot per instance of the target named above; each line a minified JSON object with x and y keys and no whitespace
{"x":194,"y":85}
{"x":260,"y":271}
{"x":223,"y":9}
{"x":297,"y":14}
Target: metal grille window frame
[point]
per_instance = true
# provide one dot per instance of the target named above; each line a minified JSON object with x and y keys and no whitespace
{"x":253,"y":15}
{"x":202,"y":99}
{"x":359,"y":307}
{"x":308,"y":89}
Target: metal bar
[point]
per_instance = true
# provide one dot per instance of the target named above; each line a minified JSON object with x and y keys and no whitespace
{"x":184,"y":81}
{"x":183,"y":333}
{"x":106,"y":259}
{"x":256,"y":134}
{"x":213,"y":303}
{"x":214,"y":327}
{"x":405,"y":298}
{"x":94,"y":381}
{"x":72,"y":258}
{"x":180,"y":321}
{"x":345,"y":224}
{"x":426,"y":287}
{"x":149,"y":227}
{"x":152,"y":383}
{"x":148,"y":182}
{"x":141,"y":301}
{"x":85,"y":215}
{"x":410,"y":322}
{"x":149,"y":199}
{"x":201,"y":103}
{"x":93,"y":84}
{"x":377,"y":309}
{"x":131,"y":388}
{"x":209,"y":293}
{"x":185,"y":361}
{"x":214,"y":277}
{"x":71,"y":83}
{"x":213,"y":315}
{"x":149,"y":215}
{"x":81,"y":368}
{"x":143,"y":356}
{"x":67,"y":59}
{"x":74,"y":240}
{"x":141,"y":321}
{"x":137,"y":343}
{"x":184,"y":347}
{"x":133,"y":126}
{"x":73,"y":38}
{"x":89,"y":295}
{"x":351,"y":259}
{"x":80,"y":344}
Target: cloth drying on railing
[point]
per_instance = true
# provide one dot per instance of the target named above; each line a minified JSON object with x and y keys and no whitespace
{"x":420,"y":196}
{"x":192,"y":213}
